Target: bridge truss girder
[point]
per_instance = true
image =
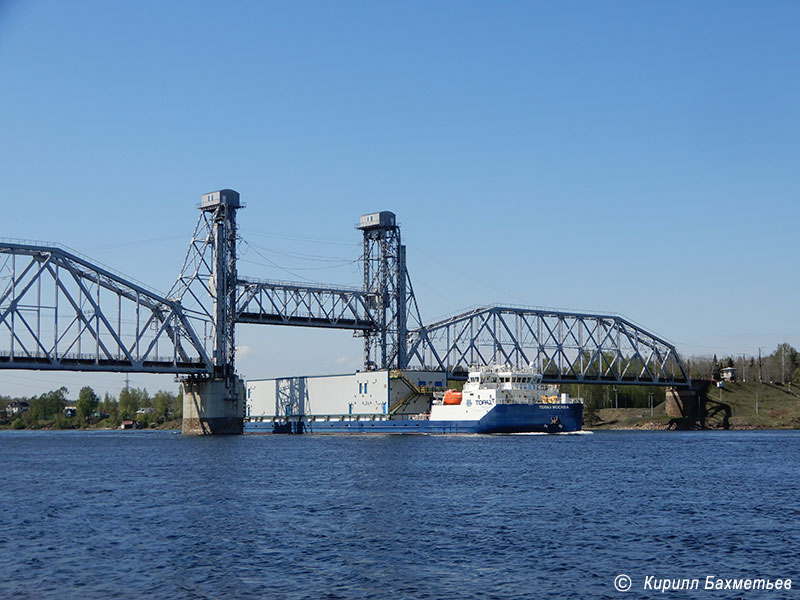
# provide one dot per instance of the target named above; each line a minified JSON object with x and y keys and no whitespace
{"x":296,"y":304}
{"x":59,"y":311}
{"x":566,"y":347}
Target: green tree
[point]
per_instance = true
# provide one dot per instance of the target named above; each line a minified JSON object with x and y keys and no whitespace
{"x":789,"y":360}
{"x":35,"y":412}
{"x":131,"y":400}
{"x":88,"y":402}
{"x":54,"y":402}
{"x":715,"y":369}
{"x":108,"y":403}
{"x":143,"y":398}
{"x":47,"y":407}
{"x":178,"y":410}
{"x":127,"y":405}
{"x":163,"y":404}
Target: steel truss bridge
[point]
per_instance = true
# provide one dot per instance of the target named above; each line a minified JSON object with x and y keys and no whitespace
{"x":566,"y":347}
{"x":60,"y":310}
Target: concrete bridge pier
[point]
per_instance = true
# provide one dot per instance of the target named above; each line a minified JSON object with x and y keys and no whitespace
{"x":213,"y":406}
{"x":687,"y":406}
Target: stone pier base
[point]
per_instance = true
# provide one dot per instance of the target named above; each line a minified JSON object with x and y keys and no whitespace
{"x":213,"y":407}
{"x":687,"y":406}
{"x":681,"y":403}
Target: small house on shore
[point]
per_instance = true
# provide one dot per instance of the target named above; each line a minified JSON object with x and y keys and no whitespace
{"x":17,"y":407}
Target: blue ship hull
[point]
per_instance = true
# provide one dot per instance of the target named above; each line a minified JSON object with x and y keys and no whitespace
{"x":503,"y":418}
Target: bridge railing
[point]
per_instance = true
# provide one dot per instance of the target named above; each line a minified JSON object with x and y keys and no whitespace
{"x":21,"y":243}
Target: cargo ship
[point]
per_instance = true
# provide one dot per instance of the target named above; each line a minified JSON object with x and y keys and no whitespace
{"x":494,"y":399}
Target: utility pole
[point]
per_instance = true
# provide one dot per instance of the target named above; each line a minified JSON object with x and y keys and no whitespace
{"x":783,"y":363}
{"x":744,"y":372}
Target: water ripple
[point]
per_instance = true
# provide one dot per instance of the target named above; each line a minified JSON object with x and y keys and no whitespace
{"x":155,"y":515}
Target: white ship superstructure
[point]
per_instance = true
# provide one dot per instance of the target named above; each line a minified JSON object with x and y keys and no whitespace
{"x":488,"y":386}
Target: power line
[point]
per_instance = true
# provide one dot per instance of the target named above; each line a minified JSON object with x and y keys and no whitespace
{"x":301,"y":256}
{"x":304,"y":238}
{"x":274,"y":264}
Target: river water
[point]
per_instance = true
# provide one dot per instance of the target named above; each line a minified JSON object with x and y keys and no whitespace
{"x":145,"y":514}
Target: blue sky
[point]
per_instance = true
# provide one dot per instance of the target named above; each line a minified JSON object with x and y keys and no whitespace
{"x":630,"y":157}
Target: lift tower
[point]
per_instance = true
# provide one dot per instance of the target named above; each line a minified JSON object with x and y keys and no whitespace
{"x":214,"y":404}
{"x":385,"y":278}
{"x":223,"y":205}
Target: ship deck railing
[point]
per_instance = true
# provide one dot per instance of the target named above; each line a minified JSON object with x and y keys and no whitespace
{"x":316,"y":418}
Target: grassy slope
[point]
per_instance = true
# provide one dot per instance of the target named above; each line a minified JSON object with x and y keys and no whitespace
{"x":778,"y":408}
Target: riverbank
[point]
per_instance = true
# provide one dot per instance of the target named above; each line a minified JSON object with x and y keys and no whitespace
{"x":101,"y":426}
{"x":749,"y":405}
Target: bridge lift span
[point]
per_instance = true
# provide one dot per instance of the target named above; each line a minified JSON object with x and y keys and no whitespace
{"x":59,"y":310}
